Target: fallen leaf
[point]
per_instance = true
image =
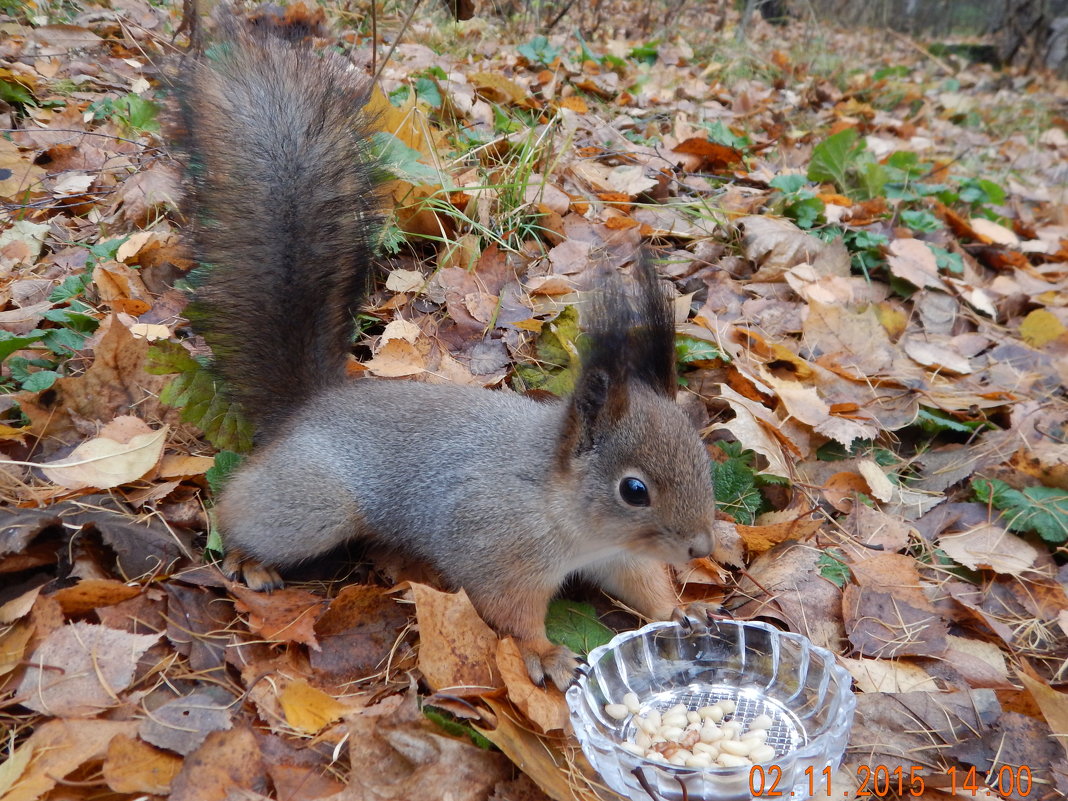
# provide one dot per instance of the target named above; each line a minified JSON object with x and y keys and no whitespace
{"x":457,"y":650}
{"x":543,"y":706}
{"x":132,"y":766}
{"x":286,"y":615}
{"x":914,"y":261}
{"x":80,"y":669}
{"x":54,"y":750}
{"x":990,"y":547}
{"x":309,"y":709}
{"x":103,"y":462}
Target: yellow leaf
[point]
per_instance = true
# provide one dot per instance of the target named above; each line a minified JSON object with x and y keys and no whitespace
{"x":1041,"y":327}
{"x":308,"y":708}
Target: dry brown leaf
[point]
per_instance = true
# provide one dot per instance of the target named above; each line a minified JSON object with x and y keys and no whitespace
{"x":110,"y":461}
{"x":992,"y":547}
{"x":884,"y":625}
{"x":991,"y":232}
{"x":939,"y":357}
{"x":90,"y":594}
{"x":543,"y":706}
{"x":914,"y":261}
{"x":180,"y":465}
{"x":228,"y":761}
{"x":80,"y":669}
{"x":55,"y":749}
{"x":402,"y":757}
{"x":457,"y":650}
{"x":132,"y":766}
{"x":540,"y":757}
{"x":777,"y":245}
{"x":115,"y":384}
{"x":286,"y":615}
{"x":888,"y":676}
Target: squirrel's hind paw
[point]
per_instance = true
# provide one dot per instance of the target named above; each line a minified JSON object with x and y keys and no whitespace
{"x":556,"y":663}
{"x":256,"y":575}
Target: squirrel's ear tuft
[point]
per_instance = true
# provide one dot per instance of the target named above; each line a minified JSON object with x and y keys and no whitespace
{"x":599,"y":403}
{"x":631,"y":337}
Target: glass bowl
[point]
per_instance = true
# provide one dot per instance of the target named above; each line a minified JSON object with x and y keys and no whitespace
{"x":765,"y":671}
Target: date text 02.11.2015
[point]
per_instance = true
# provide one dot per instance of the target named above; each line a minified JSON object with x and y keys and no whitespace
{"x":880,"y":781}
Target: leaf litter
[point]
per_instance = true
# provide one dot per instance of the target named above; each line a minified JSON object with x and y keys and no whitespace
{"x":874,"y":330}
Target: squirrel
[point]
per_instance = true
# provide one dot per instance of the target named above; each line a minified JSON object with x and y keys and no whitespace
{"x":502,"y":495}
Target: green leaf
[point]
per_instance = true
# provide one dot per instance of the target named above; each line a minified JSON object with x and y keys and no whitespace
{"x":74,"y":320}
{"x":831,"y":566}
{"x":169,"y":357}
{"x":402,"y":161}
{"x":1043,"y":510}
{"x":691,"y":349}
{"x":203,"y":403}
{"x":14,"y":93}
{"x":457,"y":728}
{"x":64,"y":341}
{"x":873,"y":179}
{"x":807,"y":210}
{"x":976,"y":191}
{"x":897,"y":71}
{"x":646,"y":53}
{"x":736,"y":492}
{"x":833,"y":157}
{"x":558,"y":356}
{"x":538,"y":51}
{"x":788,"y":183}
{"x":934,"y":421}
{"x":107,"y":248}
{"x":426,"y":89}
{"x":226,"y":462}
{"x":9,"y":343}
{"x":950,"y":262}
{"x":921,"y":220}
{"x":72,"y":287}
{"x":576,"y":626}
{"x":40,"y":381}
{"x":720,"y":133}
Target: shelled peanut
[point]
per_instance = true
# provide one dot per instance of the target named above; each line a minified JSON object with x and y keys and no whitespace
{"x":695,"y":738}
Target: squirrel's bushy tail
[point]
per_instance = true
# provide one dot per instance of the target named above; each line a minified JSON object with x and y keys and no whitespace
{"x":285,"y":214}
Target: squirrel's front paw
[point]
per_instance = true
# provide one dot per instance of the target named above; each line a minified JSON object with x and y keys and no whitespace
{"x":557,"y":663}
{"x":256,"y":575}
{"x":697,"y":612}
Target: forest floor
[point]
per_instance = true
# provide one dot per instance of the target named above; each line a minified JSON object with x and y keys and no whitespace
{"x":869,"y":247}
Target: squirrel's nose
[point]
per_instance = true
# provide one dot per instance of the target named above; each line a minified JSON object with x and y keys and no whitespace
{"x":701,"y":546}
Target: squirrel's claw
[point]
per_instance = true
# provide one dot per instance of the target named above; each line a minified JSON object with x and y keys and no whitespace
{"x":557,"y":663}
{"x":256,"y":575}
{"x":695,"y":614}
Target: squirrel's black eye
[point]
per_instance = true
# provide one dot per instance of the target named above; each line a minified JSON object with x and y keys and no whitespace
{"x":634,"y":491}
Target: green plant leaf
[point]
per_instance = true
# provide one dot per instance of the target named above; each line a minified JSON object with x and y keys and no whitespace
{"x":194,"y":390}
{"x":558,"y":356}
{"x":831,"y":566}
{"x":40,"y":381}
{"x":226,"y":462}
{"x":71,"y":287}
{"x":576,"y":626}
{"x":833,"y":157}
{"x":538,"y":51}
{"x":791,"y":183}
{"x":1043,"y":510}
{"x":457,"y":728}
{"x":691,"y":349}
{"x":402,"y":161}
{"x":9,"y":343}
